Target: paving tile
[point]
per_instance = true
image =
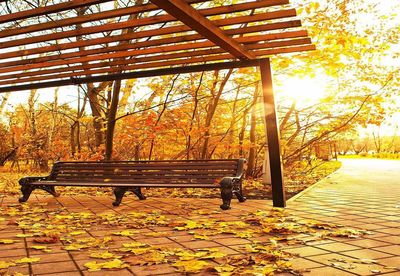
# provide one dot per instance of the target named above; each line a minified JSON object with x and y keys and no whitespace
{"x":391,"y":239}
{"x":20,"y":252}
{"x":52,"y":257}
{"x":367,"y":243}
{"x":18,"y":269}
{"x":327,"y":271}
{"x":58,"y":267}
{"x":337,"y":247}
{"x":391,"y":262}
{"x":200,"y":244}
{"x":153,"y":270}
{"x":301,"y":263}
{"x":391,"y":231}
{"x":108,"y":272}
{"x":366,"y":254}
{"x":70,"y":273}
{"x":305,"y":251}
{"x":393,"y":249}
{"x":232,"y":241}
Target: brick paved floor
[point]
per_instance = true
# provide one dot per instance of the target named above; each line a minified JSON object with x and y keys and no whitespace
{"x":361,"y":195}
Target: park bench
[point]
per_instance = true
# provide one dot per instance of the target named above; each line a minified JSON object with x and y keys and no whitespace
{"x":124,"y":176}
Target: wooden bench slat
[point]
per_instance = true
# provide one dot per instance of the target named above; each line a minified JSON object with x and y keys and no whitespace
{"x":122,"y":184}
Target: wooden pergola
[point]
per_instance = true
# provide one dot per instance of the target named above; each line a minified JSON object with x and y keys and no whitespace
{"x":165,"y":37}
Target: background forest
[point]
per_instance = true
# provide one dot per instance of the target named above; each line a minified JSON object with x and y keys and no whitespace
{"x":342,"y":98}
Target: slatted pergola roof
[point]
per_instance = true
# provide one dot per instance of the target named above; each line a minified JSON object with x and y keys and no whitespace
{"x":81,"y":41}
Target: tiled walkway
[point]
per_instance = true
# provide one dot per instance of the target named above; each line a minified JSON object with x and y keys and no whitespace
{"x":363,"y":194}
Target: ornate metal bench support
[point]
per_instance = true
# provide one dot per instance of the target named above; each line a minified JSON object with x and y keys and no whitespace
{"x":237,"y":189}
{"x":138,"y":192}
{"x":226,"y":193}
{"x":27,"y":188}
{"x":119,"y":194}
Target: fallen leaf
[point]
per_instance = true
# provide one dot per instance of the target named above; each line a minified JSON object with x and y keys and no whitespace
{"x":4,"y":264}
{"x":7,"y":241}
{"x":191,"y":266}
{"x":125,"y":233}
{"x":27,"y":260}
{"x":24,"y":235}
{"x":47,"y":240}
{"x":104,"y":255}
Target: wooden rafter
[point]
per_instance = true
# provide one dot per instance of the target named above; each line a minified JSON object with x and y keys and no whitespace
{"x":129,"y":50}
{"x":269,"y":29}
{"x":197,"y":22}
{"x":128,"y":11}
{"x":167,"y":59}
{"x":158,"y":19}
{"x":49,"y":9}
{"x":170,"y":30}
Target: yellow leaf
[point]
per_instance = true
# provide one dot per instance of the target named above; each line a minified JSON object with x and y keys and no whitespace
{"x":7,"y":241}
{"x":41,"y":247}
{"x":24,"y":235}
{"x":134,"y":244}
{"x":76,"y":233}
{"x":116,"y":263}
{"x":27,"y":260}
{"x":201,"y":237}
{"x":191,"y":266}
{"x":75,"y":247}
{"x":104,"y":255}
{"x":125,"y":233}
{"x":4,"y":264}
{"x":93,"y":266}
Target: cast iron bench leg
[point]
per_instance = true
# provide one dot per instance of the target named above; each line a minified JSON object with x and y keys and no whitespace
{"x":119,"y":194}
{"x":226,"y":193}
{"x":138,"y":192}
{"x":26,"y":190}
{"x":237,"y":190}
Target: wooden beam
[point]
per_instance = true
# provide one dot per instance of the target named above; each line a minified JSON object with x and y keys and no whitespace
{"x":133,"y":75}
{"x":114,"y":67}
{"x":136,"y":23}
{"x":129,"y":11}
{"x":157,"y":32}
{"x":49,"y":9}
{"x":197,"y":22}
{"x":157,"y":42}
{"x":84,"y":19}
{"x":272,"y":132}
{"x":145,"y":51}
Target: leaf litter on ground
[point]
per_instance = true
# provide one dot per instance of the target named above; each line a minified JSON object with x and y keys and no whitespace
{"x":266,"y":234}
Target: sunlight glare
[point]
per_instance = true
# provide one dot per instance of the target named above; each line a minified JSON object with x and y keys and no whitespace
{"x":305,"y":90}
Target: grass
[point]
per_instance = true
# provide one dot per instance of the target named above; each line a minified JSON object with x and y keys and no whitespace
{"x":384,"y":155}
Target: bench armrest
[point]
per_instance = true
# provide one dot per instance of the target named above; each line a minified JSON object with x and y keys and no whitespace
{"x":240,"y":170}
{"x":29,"y":179}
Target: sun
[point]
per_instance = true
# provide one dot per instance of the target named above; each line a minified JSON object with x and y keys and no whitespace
{"x":305,"y":90}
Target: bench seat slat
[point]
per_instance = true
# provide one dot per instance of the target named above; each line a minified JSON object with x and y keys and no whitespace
{"x":122,"y":184}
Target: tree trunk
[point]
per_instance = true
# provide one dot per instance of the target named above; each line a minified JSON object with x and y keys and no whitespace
{"x":211,"y":112}
{"x":251,"y":160}
{"x":111,"y":115}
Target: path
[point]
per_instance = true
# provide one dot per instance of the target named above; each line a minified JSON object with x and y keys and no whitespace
{"x":365,"y":194}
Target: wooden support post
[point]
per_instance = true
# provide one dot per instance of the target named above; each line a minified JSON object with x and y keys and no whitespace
{"x":272,"y":131}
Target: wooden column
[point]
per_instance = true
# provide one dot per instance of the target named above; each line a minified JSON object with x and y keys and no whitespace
{"x":272,"y":131}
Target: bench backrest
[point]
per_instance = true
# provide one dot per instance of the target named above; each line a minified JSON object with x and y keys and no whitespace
{"x":196,"y":172}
